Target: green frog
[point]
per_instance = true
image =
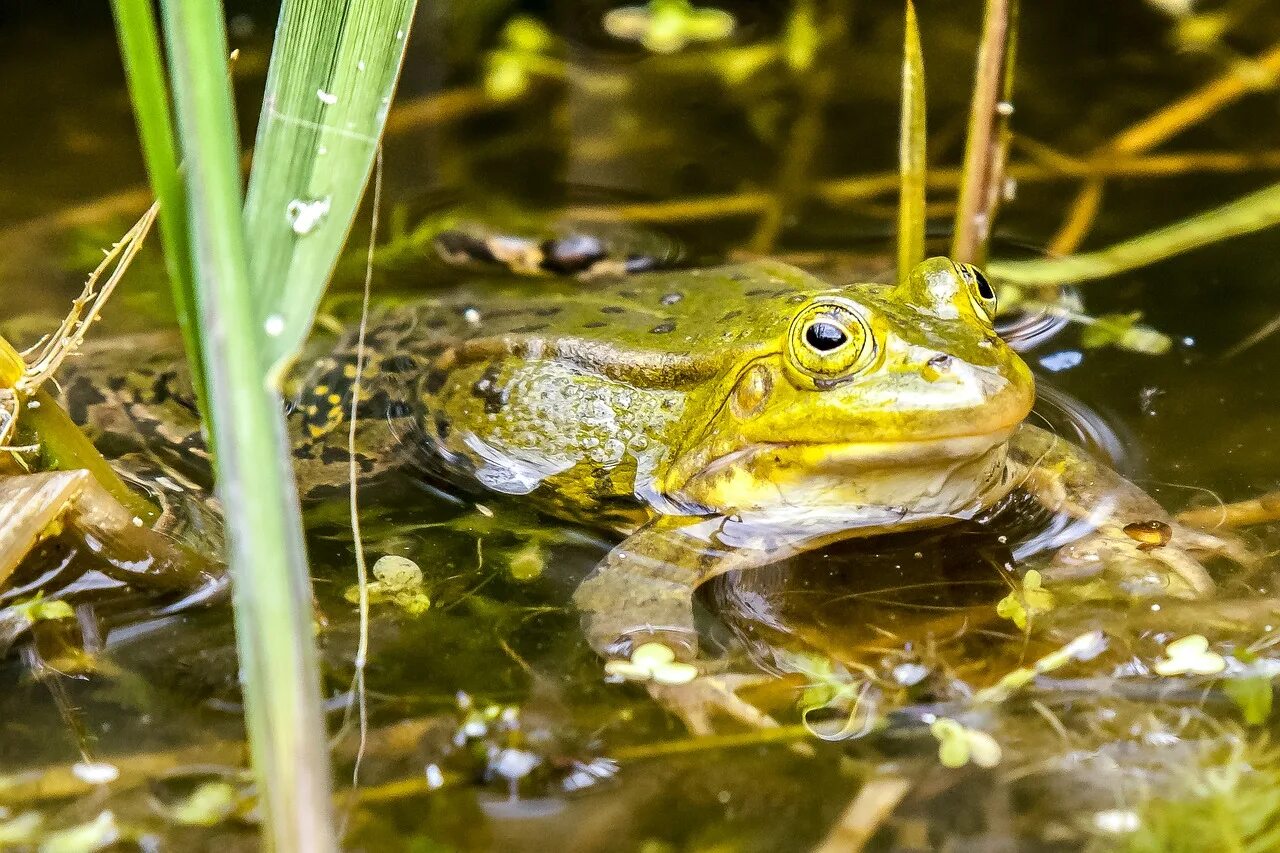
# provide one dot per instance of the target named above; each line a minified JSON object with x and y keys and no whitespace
{"x":719,"y":418}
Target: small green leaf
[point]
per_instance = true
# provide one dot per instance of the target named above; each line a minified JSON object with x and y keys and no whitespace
{"x":667,"y":26}
{"x":524,"y":47}
{"x":39,"y":609}
{"x":953,"y":746}
{"x":1022,"y":605}
{"x":1108,"y":330}
{"x":1189,"y":655}
{"x":398,"y":581}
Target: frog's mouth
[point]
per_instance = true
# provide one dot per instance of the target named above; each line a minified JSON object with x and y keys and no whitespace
{"x":938,"y":476}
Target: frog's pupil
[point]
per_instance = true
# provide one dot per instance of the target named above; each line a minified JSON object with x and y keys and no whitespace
{"x":984,"y":287}
{"x":824,"y":337}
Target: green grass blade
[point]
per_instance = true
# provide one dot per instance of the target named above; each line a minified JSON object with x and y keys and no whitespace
{"x":144,"y":70}
{"x":1245,"y":215}
{"x":334,"y":68}
{"x":911,"y":150}
{"x":255,"y":481}
{"x":988,"y":135}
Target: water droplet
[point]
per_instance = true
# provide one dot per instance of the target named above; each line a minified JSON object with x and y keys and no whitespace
{"x":305,"y":215}
{"x":326,"y":97}
{"x":274,"y":325}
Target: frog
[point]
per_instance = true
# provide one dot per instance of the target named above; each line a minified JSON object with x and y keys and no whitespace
{"x":715,"y":418}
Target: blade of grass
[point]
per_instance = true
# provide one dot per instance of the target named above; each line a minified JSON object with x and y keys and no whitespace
{"x":334,"y":68}
{"x":911,"y":150}
{"x":1245,"y":215}
{"x":988,"y":137}
{"x":144,"y":71}
{"x":255,"y":481}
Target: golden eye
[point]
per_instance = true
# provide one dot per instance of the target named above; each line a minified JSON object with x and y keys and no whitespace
{"x":981,"y":293}
{"x":830,"y":339}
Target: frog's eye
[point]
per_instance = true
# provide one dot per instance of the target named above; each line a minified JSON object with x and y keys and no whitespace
{"x":981,"y":293}
{"x":830,"y":339}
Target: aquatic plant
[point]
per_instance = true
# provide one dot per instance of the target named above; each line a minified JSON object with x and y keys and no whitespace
{"x":245,"y":307}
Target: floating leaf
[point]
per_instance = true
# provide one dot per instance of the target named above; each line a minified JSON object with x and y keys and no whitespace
{"x":1190,"y":656}
{"x":398,"y":580}
{"x":527,"y":563}
{"x":1108,"y":329}
{"x":653,"y":662}
{"x":523,"y":48}
{"x":958,"y":745}
{"x":1023,"y":605}
{"x":667,"y":26}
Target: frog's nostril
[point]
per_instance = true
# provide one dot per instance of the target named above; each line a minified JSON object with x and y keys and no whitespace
{"x":940,"y":362}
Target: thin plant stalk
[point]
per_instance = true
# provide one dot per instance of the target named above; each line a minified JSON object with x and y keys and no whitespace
{"x":1245,"y":215}
{"x":272,"y":588}
{"x":912,"y":142}
{"x":988,"y":135}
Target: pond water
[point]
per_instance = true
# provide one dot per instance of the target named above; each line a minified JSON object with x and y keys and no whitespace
{"x":491,"y":725}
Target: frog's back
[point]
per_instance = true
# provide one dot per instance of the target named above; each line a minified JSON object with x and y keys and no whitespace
{"x":571,"y":392}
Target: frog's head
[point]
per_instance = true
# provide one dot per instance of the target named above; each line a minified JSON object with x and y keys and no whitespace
{"x":870,"y":395}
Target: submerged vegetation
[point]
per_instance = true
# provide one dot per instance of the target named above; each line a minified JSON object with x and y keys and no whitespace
{"x":851,"y":692}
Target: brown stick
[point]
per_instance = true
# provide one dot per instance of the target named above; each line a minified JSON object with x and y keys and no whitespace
{"x":983,"y":153}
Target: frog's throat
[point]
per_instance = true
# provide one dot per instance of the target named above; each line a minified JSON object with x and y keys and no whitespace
{"x":952,"y":476}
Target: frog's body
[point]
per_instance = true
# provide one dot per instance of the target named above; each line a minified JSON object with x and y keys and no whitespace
{"x":724,"y":417}
{"x":680,"y":393}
